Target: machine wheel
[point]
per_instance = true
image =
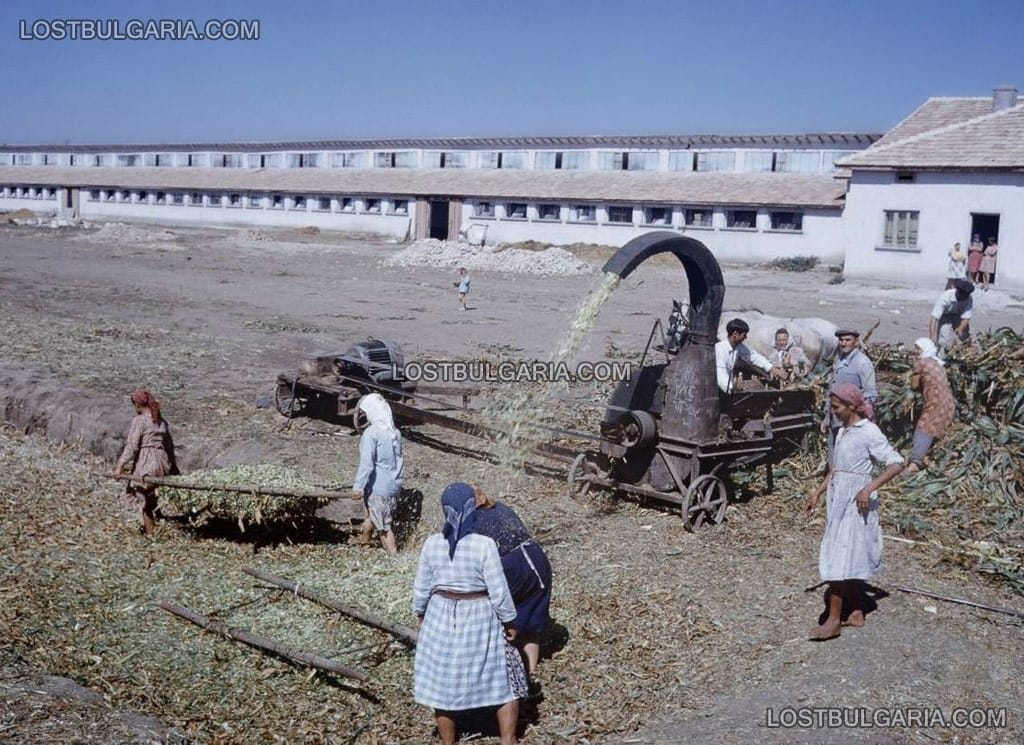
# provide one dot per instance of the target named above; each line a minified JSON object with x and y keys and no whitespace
{"x":286,"y":402}
{"x":582,"y":467}
{"x":705,"y":501}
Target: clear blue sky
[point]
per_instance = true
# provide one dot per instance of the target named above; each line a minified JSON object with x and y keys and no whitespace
{"x":425,"y":68}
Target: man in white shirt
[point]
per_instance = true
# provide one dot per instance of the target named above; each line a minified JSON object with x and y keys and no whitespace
{"x":731,"y":348}
{"x":951,"y":316}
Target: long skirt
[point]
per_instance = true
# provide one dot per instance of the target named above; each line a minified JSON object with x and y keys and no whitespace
{"x":529,"y":580}
{"x":460,"y":656}
{"x":852,"y":545}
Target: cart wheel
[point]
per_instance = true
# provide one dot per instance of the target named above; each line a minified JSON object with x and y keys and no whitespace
{"x":705,"y":500}
{"x":286,"y":402}
{"x":579,"y":483}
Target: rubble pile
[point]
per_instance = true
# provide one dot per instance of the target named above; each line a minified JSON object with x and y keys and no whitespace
{"x":450,"y":255}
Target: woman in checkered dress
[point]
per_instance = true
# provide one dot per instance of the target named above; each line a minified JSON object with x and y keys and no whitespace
{"x":465,"y":614}
{"x":938,"y":406}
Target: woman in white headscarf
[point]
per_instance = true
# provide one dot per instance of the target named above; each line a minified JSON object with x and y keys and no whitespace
{"x":938,"y":407}
{"x":379,"y":478}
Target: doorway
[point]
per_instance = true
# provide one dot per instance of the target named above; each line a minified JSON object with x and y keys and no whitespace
{"x":986,"y":226}
{"x":439,"y":219}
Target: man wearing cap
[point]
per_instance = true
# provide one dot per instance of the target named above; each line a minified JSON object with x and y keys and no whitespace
{"x":851,"y":366}
{"x":732,"y":349}
{"x":951,"y":315}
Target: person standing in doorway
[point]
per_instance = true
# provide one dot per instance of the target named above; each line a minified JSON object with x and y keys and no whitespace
{"x":463,"y":287}
{"x":975,"y":252}
{"x":988,"y":263}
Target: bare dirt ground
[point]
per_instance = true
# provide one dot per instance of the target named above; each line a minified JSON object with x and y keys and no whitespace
{"x":662,"y":636}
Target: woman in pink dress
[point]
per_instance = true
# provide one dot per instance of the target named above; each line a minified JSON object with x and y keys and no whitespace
{"x":148,"y":451}
{"x":988,"y":263}
{"x":975,"y":252}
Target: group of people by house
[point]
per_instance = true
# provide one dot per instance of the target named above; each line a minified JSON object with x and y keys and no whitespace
{"x":482,"y":589}
{"x":978,"y":264}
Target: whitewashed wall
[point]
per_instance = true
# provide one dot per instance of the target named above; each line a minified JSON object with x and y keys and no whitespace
{"x":945,"y":202}
{"x":821,"y":235}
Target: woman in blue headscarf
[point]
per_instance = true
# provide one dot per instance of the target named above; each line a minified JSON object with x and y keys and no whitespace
{"x":465,"y":614}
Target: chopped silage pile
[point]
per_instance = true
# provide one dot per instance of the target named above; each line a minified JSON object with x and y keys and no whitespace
{"x":552,"y":261}
{"x":245,"y":508}
{"x":125,"y":233}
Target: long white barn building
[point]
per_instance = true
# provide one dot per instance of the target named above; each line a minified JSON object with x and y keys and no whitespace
{"x":887,"y":205}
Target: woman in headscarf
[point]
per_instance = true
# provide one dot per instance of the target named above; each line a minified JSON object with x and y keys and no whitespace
{"x":929,"y":377}
{"x":526,"y":568}
{"x":851,"y":549}
{"x":379,"y":478}
{"x":465,"y":616}
{"x":148,"y":451}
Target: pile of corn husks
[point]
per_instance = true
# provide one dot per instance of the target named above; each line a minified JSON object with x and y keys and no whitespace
{"x":239,"y":506}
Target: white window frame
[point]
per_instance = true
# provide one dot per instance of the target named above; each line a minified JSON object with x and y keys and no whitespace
{"x":896,"y":221}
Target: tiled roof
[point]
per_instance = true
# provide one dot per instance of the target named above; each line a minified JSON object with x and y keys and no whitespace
{"x":753,"y":189}
{"x":983,"y":142}
{"x":823,"y":139}
{"x":935,"y":113}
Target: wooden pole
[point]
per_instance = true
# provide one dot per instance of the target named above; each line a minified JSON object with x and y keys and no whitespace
{"x":264,"y":644}
{"x":993,"y":608}
{"x":405,"y":633}
{"x":256,"y":489}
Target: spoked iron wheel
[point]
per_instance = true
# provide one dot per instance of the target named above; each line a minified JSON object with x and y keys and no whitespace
{"x":286,"y":402}
{"x":705,"y":501}
{"x":580,"y":472}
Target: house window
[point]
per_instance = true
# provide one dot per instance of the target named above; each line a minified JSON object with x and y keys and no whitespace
{"x":156,"y":160}
{"x":384,"y":160}
{"x":161,"y":197}
{"x":582,"y":213}
{"x":94,"y":195}
{"x":373,"y":205}
{"x":698,"y":217}
{"x":680,"y":160}
{"x":406,"y":159}
{"x":101,"y":161}
{"x":548,"y":212}
{"x":277,"y":202}
{"x":904,"y":177}
{"x":454,"y":160}
{"x":323,"y":204}
{"x":234,"y":200}
{"x":195,"y":199}
{"x":515,"y":211}
{"x":742,"y":219}
{"x":900,"y":229}
{"x":620,"y":215}
{"x":347,"y":205}
{"x":198,"y":160}
{"x":788,"y":221}
{"x":488,"y":160}
{"x":483,"y":209}
{"x":401,"y":207}
{"x":128,"y":160}
{"x":214,"y":200}
{"x":44,"y":193}
{"x":547,"y":160}
{"x":658,"y":215}
{"x":349,"y":160}
{"x":298,"y":203}
{"x":109,"y":196}
{"x":608,"y":161}
{"x":758,"y":161}
{"x":22,"y":159}
{"x":227,"y":160}
{"x":576,"y":161}
{"x":514,"y":159}
{"x":254,"y":201}
{"x":800,"y":161}
{"x":272,"y":160}
{"x":178,"y":198}
{"x":715,"y":160}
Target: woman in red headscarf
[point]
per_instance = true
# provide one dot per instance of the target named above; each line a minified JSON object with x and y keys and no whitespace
{"x":851,"y":549}
{"x":149,"y":451}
